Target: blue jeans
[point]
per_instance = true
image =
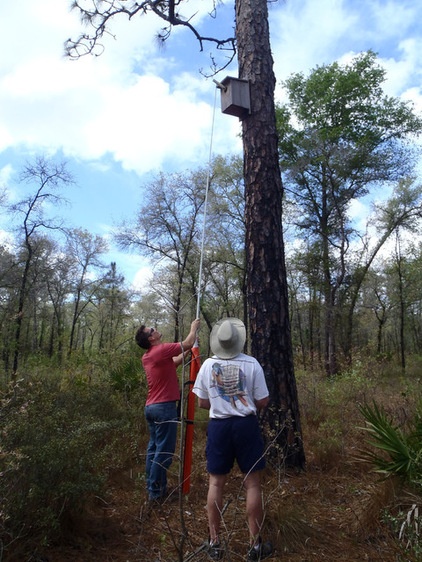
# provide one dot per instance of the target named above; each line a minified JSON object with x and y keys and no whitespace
{"x":162,"y":424}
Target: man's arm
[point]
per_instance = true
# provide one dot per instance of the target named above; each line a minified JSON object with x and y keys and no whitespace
{"x":188,"y":342}
{"x":204,"y":403}
{"x":263,"y":403}
{"x":178,"y":360}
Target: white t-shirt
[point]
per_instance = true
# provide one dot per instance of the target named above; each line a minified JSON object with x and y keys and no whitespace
{"x":231,"y":385}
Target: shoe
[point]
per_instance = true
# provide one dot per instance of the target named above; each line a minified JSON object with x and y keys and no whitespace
{"x":215,"y":551}
{"x":155,"y":502}
{"x":260,"y":551}
{"x":168,"y":497}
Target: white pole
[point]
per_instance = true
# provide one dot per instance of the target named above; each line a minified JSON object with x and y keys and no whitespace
{"x":205,"y":211}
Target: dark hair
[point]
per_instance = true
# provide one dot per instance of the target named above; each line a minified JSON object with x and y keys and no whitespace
{"x":141,"y":338}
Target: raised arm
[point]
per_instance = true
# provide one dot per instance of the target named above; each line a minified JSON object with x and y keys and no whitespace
{"x":188,"y":342}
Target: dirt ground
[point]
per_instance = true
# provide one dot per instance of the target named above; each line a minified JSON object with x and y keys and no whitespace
{"x":311,"y":516}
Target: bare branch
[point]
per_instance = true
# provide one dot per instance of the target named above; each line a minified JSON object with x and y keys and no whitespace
{"x":97,"y":15}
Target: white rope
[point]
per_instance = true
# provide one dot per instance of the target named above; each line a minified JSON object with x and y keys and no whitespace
{"x":205,"y":210}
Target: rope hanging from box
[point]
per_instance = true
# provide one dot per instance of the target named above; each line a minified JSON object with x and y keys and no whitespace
{"x":195,"y":362}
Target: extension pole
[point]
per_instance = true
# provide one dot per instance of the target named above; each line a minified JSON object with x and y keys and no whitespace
{"x":195,"y":360}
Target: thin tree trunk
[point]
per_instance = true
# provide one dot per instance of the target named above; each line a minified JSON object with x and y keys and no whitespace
{"x":402,"y":307}
{"x":74,"y":321}
{"x":19,"y":316}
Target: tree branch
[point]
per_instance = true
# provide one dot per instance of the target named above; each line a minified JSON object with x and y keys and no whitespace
{"x":102,"y":12}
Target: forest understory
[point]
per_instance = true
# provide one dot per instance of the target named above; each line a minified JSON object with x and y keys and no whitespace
{"x":313,"y":515}
{"x":337,"y":508}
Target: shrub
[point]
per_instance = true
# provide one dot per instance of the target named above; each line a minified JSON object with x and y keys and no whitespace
{"x":56,"y":447}
{"x":126,"y":376}
{"x":396,"y":453}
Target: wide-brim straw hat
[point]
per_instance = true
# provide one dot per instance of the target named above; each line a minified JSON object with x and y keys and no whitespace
{"x":228,"y":338}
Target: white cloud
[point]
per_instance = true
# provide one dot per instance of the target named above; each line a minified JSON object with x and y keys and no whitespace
{"x":150,"y":109}
{"x":404,"y":70}
{"x":6,"y":239}
{"x":5,"y":174}
{"x":99,"y":105}
{"x":303,"y":34}
{"x":358,"y":212}
{"x":149,"y":122}
{"x":142,"y":278}
{"x":131,"y":103}
{"x":389,"y":19}
{"x":316,"y":33}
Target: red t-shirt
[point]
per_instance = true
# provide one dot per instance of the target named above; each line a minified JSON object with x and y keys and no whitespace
{"x":163,"y":385}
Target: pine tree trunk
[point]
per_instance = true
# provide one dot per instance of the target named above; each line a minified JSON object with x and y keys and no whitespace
{"x":265,"y":261}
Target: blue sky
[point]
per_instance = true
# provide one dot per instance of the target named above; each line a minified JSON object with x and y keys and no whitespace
{"x":138,"y":109}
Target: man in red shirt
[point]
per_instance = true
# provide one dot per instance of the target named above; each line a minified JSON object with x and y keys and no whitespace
{"x":160,"y":362}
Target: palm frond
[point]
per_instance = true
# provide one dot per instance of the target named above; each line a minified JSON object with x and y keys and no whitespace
{"x":399,"y":455}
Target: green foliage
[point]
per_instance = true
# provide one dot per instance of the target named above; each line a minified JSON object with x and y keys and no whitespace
{"x":334,"y":397}
{"x":348,"y":103}
{"x":328,"y":444}
{"x":340,"y":137}
{"x":57,"y":442}
{"x":126,"y":376}
{"x":327,"y":406}
{"x":396,"y":453}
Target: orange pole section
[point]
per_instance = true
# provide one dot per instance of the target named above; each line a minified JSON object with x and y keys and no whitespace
{"x":190,"y":415}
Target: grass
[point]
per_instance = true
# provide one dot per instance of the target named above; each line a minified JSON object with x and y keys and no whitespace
{"x":339,"y":508}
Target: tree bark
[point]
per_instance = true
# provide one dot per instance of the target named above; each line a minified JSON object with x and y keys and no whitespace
{"x":266,"y":271}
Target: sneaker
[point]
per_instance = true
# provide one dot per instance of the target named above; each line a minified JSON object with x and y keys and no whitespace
{"x":215,"y":551}
{"x":260,"y":551}
{"x":169,"y":497}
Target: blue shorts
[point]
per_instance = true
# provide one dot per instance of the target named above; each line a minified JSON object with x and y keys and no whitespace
{"x":236,"y":438}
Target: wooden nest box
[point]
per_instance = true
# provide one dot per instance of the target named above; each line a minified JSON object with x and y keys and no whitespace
{"x":235,"y":97}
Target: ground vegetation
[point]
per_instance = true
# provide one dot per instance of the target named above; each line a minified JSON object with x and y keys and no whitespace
{"x":72,"y":473}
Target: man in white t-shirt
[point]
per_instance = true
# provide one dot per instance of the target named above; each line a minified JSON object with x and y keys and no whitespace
{"x":231,"y":385}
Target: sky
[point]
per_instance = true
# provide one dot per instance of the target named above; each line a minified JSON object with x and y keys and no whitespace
{"x":141,"y":108}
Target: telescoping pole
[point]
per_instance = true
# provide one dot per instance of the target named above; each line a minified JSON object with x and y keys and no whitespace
{"x":195,"y":360}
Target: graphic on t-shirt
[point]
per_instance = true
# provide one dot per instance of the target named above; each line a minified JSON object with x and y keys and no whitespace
{"x":230,"y":383}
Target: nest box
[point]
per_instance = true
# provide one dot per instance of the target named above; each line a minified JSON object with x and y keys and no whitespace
{"x":235,"y":97}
